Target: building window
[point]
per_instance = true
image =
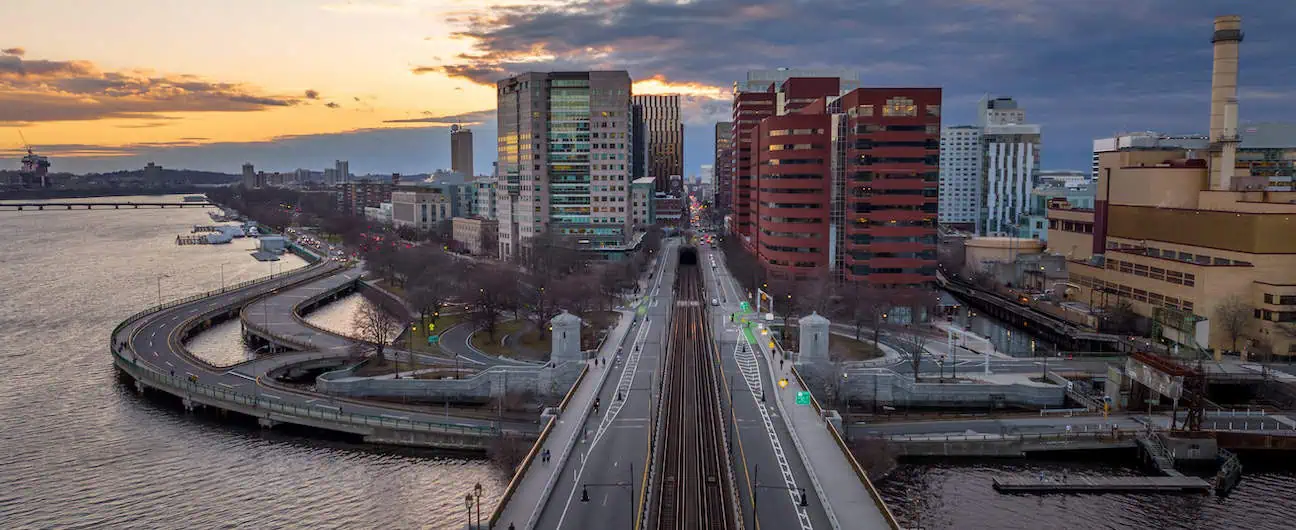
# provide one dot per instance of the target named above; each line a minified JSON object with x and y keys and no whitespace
{"x":933,"y":110}
{"x":900,"y":107}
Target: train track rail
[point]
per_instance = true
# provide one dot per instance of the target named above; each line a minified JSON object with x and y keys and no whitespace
{"x":693,"y":488}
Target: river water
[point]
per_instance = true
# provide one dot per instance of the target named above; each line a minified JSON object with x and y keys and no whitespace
{"x":79,"y":449}
{"x":958,"y":494}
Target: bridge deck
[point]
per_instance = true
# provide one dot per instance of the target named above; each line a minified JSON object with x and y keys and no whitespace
{"x":1033,"y":484}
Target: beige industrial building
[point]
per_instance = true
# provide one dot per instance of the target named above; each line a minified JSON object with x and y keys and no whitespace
{"x":1181,"y":235}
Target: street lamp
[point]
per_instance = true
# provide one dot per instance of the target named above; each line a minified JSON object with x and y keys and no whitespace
{"x":468,"y":504}
{"x":629,"y":486}
{"x":477,"y":491}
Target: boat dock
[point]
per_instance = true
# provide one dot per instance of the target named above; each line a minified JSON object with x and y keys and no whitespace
{"x":209,"y":228}
{"x":1033,"y":484}
{"x":192,"y":240}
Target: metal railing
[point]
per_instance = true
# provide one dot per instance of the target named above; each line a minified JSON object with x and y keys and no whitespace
{"x":163,"y":381}
{"x":1092,"y":435}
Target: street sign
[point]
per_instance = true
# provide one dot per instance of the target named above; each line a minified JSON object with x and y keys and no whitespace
{"x":803,"y":398}
{"x":433,"y":339}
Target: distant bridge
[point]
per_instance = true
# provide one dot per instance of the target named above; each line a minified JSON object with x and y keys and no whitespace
{"x":20,"y":206}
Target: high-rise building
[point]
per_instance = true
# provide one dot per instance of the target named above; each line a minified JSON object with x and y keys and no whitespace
{"x":249,"y":176}
{"x":706,"y":174}
{"x":461,"y":151}
{"x":153,"y":176}
{"x":1011,"y":164}
{"x":723,"y":181}
{"x":989,"y":170}
{"x":762,"y":95}
{"x":960,"y":175}
{"x":564,"y":159}
{"x":848,"y":184}
{"x":302,"y":176}
{"x":331,"y":177}
{"x":664,"y":137}
{"x":354,"y":197}
{"x":485,"y":197}
{"x":343,"y":170}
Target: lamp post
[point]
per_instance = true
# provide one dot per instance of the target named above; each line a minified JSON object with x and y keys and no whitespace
{"x":477,"y":492}
{"x":222,"y":277}
{"x":468,"y":504}
{"x":629,"y":486}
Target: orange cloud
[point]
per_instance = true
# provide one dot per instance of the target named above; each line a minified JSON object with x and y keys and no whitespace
{"x":658,"y":84}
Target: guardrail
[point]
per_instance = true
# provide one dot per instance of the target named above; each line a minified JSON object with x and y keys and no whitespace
{"x":530,"y":456}
{"x":181,"y":301}
{"x":164,"y":382}
{"x":1097,"y":435}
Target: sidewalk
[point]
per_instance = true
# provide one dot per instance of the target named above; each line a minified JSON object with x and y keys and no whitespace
{"x":536,"y":483}
{"x":974,"y":342}
{"x":847,"y":500}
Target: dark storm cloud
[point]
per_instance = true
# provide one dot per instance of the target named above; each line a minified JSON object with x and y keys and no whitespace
{"x":312,"y":94}
{"x":1082,"y":69}
{"x":14,"y":51}
{"x":45,"y":90}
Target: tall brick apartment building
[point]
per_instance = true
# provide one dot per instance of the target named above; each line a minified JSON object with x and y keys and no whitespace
{"x":840,"y":182}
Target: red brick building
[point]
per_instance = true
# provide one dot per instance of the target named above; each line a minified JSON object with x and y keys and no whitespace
{"x":892,"y":175}
{"x":847,"y":184}
{"x":749,"y":108}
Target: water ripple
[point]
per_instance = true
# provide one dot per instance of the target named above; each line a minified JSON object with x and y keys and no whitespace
{"x":78,"y":449}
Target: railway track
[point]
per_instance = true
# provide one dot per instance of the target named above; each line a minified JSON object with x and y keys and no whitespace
{"x":692,"y":487}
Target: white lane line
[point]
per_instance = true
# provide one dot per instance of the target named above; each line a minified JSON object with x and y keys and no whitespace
{"x":169,"y":364}
{"x":226,"y":385}
{"x":271,"y":396}
{"x":747,"y":364}
{"x":240,"y":374}
{"x":631,"y":365}
{"x":390,"y":416}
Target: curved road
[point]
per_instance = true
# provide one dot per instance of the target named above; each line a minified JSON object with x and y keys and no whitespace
{"x":154,"y":342}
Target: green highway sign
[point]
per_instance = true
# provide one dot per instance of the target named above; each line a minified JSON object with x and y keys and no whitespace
{"x":433,"y":339}
{"x":803,"y":398}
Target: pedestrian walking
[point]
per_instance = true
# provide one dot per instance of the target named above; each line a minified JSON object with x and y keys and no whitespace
{"x":780,"y":364}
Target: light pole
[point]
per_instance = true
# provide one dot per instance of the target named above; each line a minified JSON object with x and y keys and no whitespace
{"x":468,"y":504}
{"x":159,"y":288}
{"x":477,"y":492}
{"x":222,"y":277}
{"x":629,"y":486}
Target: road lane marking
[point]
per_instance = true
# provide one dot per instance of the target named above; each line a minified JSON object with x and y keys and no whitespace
{"x":626,"y":379}
{"x":389,"y":416}
{"x":271,"y":396}
{"x":240,"y":374}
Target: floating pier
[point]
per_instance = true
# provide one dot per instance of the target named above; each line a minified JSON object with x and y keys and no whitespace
{"x":1033,"y":484}
{"x":192,"y":240}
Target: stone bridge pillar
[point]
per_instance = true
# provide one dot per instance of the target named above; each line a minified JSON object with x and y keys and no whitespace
{"x":814,"y":339}
{"x":565,"y":345}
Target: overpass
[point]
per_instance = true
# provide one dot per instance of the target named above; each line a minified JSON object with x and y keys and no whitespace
{"x":148,"y":347}
{"x":100,"y":205}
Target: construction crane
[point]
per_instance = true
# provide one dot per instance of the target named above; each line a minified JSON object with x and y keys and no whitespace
{"x":34,"y":167}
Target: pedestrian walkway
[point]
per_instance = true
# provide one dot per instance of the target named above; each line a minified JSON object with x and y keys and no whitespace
{"x":535,"y":484}
{"x":848,"y":501}
{"x":974,"y":342}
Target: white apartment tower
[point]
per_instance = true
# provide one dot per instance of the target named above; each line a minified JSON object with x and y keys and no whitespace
{"x":961,"y":155}
{"x":564,"y":159}
{"x":1009,"y":168}
{"x":343,"y":170}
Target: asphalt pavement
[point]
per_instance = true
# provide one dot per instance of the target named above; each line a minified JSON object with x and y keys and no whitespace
{"x":609,"y":460}
{"x":762,"y":452}
{"x":155,"y":342}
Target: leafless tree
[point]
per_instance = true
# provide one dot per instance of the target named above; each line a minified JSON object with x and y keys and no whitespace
{"x":818,"y":293}
{"x":915,"y":344}
{"x":489,"y":243}
{"x":1234,"y":314}
{"x":375,"y":329}
{"x":867,"y":305}
{"x":496,"y":293}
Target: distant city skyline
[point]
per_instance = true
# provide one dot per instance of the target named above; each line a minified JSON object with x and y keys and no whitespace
{"x":379,"y":82}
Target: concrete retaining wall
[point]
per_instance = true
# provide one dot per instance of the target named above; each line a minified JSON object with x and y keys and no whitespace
{"x":481,"y":387}
{"x":886,"y":387}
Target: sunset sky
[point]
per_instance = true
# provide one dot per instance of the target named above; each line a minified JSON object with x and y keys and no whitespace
{"x":101,"y":85}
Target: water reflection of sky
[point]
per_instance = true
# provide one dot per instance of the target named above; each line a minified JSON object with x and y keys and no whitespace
{"x":1007,"y":339}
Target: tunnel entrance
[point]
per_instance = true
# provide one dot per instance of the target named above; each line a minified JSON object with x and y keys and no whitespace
{"x":688,"y":256}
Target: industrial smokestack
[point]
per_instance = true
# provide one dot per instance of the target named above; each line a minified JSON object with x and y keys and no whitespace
{"x":1223,"y":112}
{"x":1224,"y":73}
